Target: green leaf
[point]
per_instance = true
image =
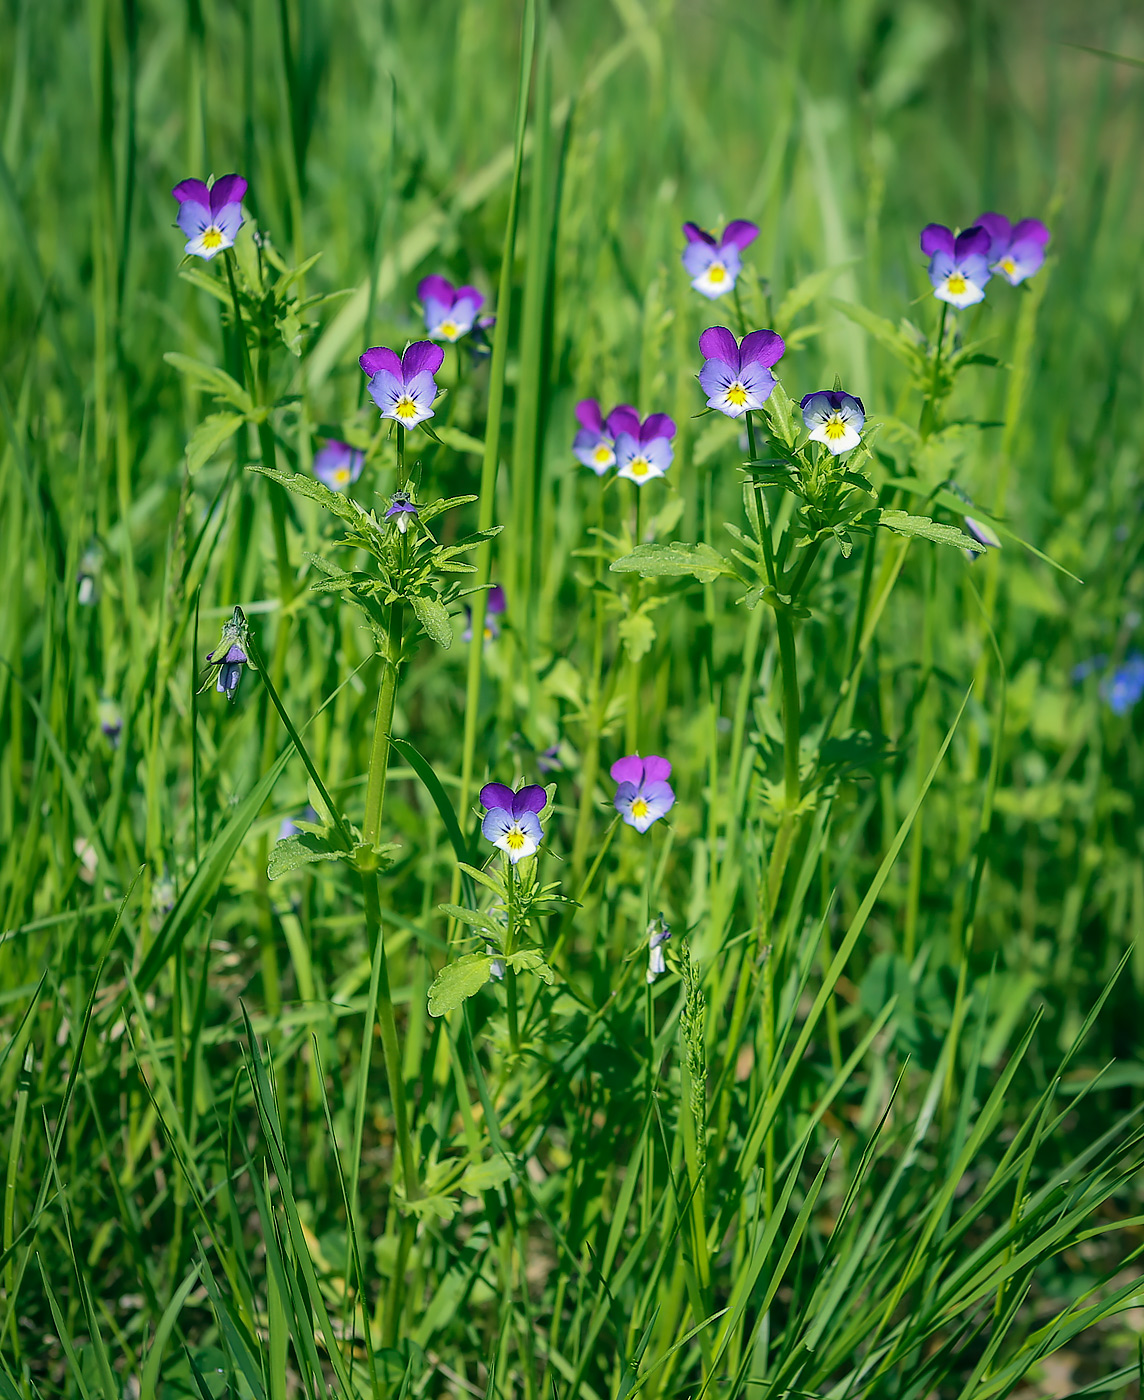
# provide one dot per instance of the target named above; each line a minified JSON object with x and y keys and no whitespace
{"x":432,"y":508}
{"x":485,"y":1176}
{"x":212,"y":379}
{"x":305,"y":849}
{"x":895,"y":340}
{"x":312,"y":489}
{"x":531,"y":960}
{"x":206,"y":283}
{"x":482,"y":877}
{"x":290,"y":329}
{"x":780,"y":415}
{"x":209,"y":436}
{"x":460,"y":442}
{"x":458,"y":981}
{"x":475,"y":918}
{"x":433,"y":616}
{"x":674,"y":560}
{"x":637,"y":633}
{"x":803,"y":293}
{"x":924,"y":528}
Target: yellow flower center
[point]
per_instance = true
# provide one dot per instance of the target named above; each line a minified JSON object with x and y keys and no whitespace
{"x":603,"y":455}
{"x":515,"y":839}
{"x":1008,"y":266}
{"x":342,"y":475}
{"x":835,"y":427}
{"x":449,"y":329}
{"x":212,"y":238}
{"x":489,"y":633}
{"x":405,"y":407}
{"x":639,"y":807}
{"x":957,"y":284}
{"x":639,"y":466}
{"x":716,"y":273}
{"x":736,"y":395}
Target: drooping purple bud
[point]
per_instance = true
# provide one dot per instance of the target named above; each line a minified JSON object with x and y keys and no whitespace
{"x":659,"y":931}
{"x":110,"y":721}
{"x":401,"y":508}
{"x":230,"y":656}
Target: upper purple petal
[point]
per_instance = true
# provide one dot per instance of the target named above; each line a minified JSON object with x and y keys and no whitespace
{"x":195,"y":190}
{"x":423,"y":356}
{"x":657,"y":425}
{"x":438,"y":288}
{"x":1000,"y":232}
{"x":380,"y":358}
{"x":936,"y":238}
{"x":1031,"y":230}
{"x":718,"y":343}
{"x":495,"y":603}
{"x":694,"y":234}
{"x":467,"y":293}
{"x":740,"y":232}
{"x":656,"y":769}
{"x":531,"y":798}
{"x":495,"y":795}
{"x":623,"y":419}
{"x":972,"y":242}
{"x":761,"y":348}
{"x":629,"y":769}
{"x":588,"y":415}
{"x":227,"y":189}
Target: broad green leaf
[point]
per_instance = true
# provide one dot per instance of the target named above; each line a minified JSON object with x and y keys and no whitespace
{"x":675,"y":560}
{"x":310,"y":487}
{"x":924,"y":528}
{"x":206,"y":283}
{"x":433,"y":616}
{"x":531,"y":960}
{"x":475,"y":918}
{"x":459,"y":441}
{"x":209,"y":436}
{"x":458,"y":981}
{"x":780,"y":415}
{"x":212,"y":379}
{"x":637,"y":633}
{"x":296,"y":851}
{"x":485,"y":1176}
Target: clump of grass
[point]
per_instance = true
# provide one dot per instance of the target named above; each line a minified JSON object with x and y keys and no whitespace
{"x":316,"y":1089}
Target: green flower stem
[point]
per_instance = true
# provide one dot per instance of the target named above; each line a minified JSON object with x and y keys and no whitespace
{"x":401,"y":478}
{"x":383,"y":722}
{"x":792,"y":720}
{"x":510,"y":987}
{"x":632,"y":713}
{"x":929,"y":407}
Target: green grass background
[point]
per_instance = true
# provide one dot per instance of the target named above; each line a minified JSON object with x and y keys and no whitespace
{"x":174,"y":1224}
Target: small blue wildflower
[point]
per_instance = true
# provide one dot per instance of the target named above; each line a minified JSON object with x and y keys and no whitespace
{"x":210,"y":216}
{"x":1083,"y":669}
{"x":404,"y":388}
{"x":714,"y":263}
{"x":835,"y":419}
{"x":511,"y":822}
{"x":338,"y":465}
{"x":959,"y":267}
{"x":1125,"y":686}
{"x":644,"y":794}
{"x":643,"y":455}
{"x":736,"y":377}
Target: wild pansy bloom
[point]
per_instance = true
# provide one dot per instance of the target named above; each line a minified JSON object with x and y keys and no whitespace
{"x":495,"y":604}
{"x":338,"y":465}
{"x":595,"y":443}
{"x":511,"y":823}
{"x":402,"y":510}
{"x":404,"y":389}
{"x":659,"y":931}
{"x":959,"y":267}
{"x":714,"y":263}
{"x":646,"y":452}
{"x":1016,"y":251}
{"x":210,"y":216}
{"x":737,"y":377}
{"x":230,"y":655}
{"x":644,"y":794}
{"x":449,"y":311}
{"x":835,"y":419}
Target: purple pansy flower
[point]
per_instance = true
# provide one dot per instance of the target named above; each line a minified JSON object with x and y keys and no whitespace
{"x":401,"y":508}
{"x":959,"y":267}
{"x":449,"y":311}
{"x":338,"y":464}
{"x":659,"y":931}
{"x":645,"y":453}
{"x":512,"y":824}
{"x":737,"y":378}
{"x":595,"y":443}
{"x":404,"y":389}
{"x":1125,"y":686}
{"x":644,"y":794}
{"x":835,"y":419}
{"x":210,"y":216}
{"x":1016,"y":251}
{"x":714,"y":263}
{"x":495,"y":604}
{"x":230,"y":664}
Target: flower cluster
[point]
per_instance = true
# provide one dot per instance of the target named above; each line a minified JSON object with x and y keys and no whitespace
{"x":210,"y":216}
{"x":714,"y":263}
{"x":962,"y":264}
{"x":595,"y":443}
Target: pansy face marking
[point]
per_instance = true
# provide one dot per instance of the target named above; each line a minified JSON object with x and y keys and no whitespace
{"x":1016,"y":251}
{"x":404,"y":389}
{"x":644,"y":450}
{"x":737,"y":376}
{"x":512,"y":823}
{"x":835,"y":419}
{"x":959,"y":267}
{"x":714,"y":263}
{"x":595,"y":443}
{"x":210,"y":216}
{"x":450,"y":312}
{"x":644,"y":794}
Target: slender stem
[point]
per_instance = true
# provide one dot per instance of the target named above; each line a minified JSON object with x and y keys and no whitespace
{"x":510,"y":987}
{"x":383,"y":723}
{"x":792,"y":729}
{"x":401,"y":477}
{"x":929,"y":408}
